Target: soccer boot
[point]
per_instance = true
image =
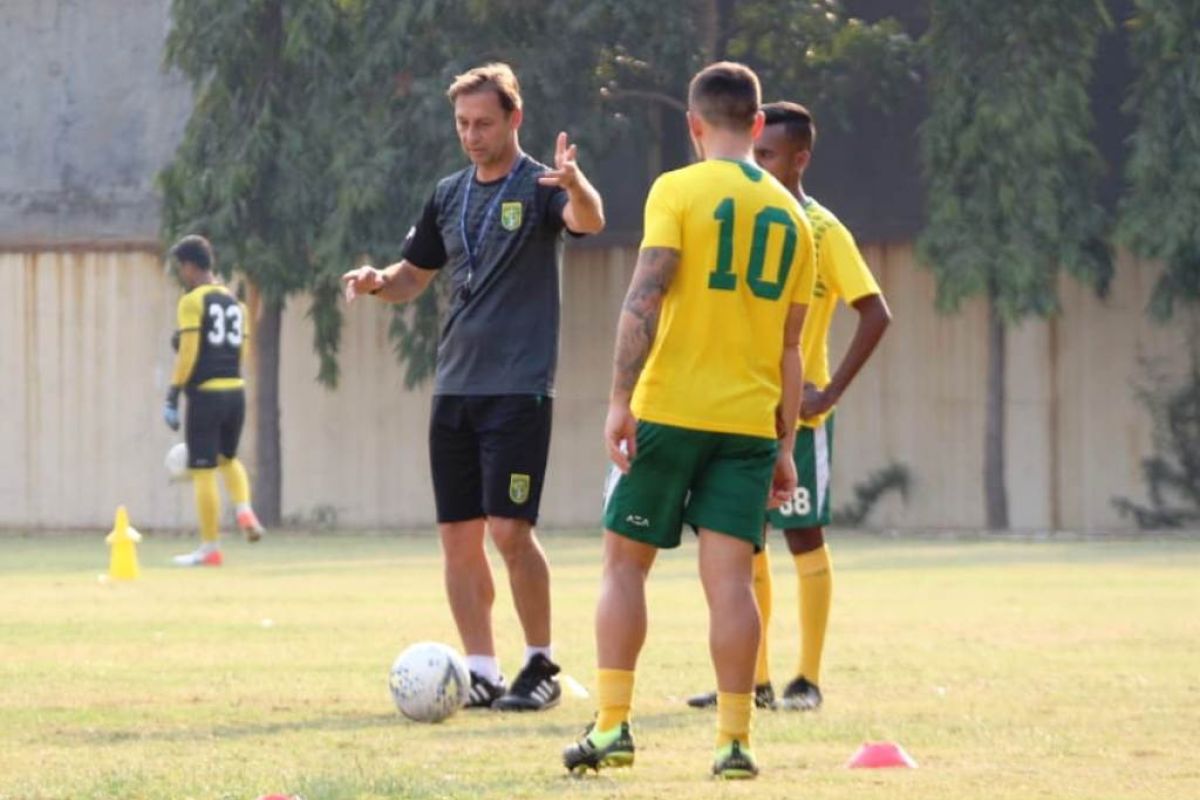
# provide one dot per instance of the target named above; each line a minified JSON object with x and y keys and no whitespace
{"x":247,"y":520}
{"x":202,"y":556}
{"x":535,"y":688}
{"x":596,"y":749}
{"x":800,"y":695}
{"x":734,"y":763}
{"x":764,"y":697}
{"x":483,"y":692}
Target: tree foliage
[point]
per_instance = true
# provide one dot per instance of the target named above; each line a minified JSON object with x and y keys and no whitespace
{"x":252,"y":170}
{"x":1160,"y":215}
{"x":1172,"y":474}
{"x":810,"y":50}
{"x":895,"y":477}
{"x":1010,"y":168}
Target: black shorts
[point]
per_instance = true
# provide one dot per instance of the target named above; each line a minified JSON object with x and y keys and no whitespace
{"x":488,"y":455}
{"x":213,"y":425}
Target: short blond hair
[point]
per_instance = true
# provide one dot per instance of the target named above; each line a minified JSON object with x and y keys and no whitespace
{"x":496,"y":77}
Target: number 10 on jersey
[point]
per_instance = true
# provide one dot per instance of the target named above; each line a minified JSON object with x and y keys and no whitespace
{"x":725,"y":279}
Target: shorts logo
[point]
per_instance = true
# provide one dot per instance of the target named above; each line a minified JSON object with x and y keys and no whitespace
{"x":518,"y":488}
{"x":641,"y":522}
{"x":510,"y":215}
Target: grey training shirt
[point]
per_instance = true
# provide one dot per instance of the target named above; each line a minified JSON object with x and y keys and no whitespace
{"x":500,"y":334}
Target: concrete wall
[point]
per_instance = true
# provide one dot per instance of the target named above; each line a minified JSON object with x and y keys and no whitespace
{"x":85,"y":337}
{"x":1076,"y":434}
{"x":90,"y":117}
{"x":85,"y":352}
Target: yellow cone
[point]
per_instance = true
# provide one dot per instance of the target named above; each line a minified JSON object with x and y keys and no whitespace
{"x":122,"y":539}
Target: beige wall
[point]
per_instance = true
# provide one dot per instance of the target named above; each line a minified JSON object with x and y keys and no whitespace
{"x":1075,"y":435}
{"x":84,"y":341}
{"x":85,"y":337}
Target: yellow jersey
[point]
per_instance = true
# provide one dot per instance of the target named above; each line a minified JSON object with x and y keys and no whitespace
{"x":746,"y":256}
{"x":841,"y":274}
{"x":222,"y":327}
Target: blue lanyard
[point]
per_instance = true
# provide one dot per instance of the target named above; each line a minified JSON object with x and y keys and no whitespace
{"x":487,"y":216}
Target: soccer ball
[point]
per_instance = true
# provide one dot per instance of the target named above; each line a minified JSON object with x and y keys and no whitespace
{"x":176,"y":462}
{"x":429,"y":682}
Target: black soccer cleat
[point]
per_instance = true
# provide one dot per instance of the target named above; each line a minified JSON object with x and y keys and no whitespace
{"x":734,"y":763}
{"x":612,"y":748}
{"x":764,"y":697}
{"x":535,"y":688}
{"x":483,"y":692}
{"x":800,"y":695}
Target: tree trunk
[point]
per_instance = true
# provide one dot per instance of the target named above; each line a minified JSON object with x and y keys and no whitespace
{"x":995,"y":493}
{"x":268,"y":474}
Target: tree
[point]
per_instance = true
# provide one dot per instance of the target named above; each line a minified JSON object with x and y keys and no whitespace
{"x":1158,"y":220}
{"x":1011,"y":174}
{"x":799,"y":48}
{"x":1160,"y":213}
{"x":251,"y":170}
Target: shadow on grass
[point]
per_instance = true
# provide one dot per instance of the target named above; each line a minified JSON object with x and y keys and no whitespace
{"x":118,"y":735}
{"x":566,"y":731}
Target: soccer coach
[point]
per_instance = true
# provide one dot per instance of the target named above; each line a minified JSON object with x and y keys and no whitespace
{"x":496,"y":227}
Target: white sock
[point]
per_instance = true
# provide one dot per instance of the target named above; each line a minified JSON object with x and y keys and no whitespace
{"x":209,"y":547}
{"x":547,"y":651}
{"x":242,"y":507}
{"x":486,"y":667}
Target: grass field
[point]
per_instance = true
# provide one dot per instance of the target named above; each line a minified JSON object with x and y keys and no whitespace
{"x":1007,"y":669}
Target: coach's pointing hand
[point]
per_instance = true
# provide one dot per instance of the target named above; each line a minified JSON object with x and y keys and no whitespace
{"x":363,"y":280}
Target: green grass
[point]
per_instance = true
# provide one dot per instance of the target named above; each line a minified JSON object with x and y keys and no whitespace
{"x":1007,"y":669}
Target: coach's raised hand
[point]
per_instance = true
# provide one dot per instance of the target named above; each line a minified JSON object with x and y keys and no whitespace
{"x":584,"y":211}
{"x":566,"y":171}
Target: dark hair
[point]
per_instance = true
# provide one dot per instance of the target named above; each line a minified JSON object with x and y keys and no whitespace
{"x":725,"y":94}
{"x":798,"y":121}
{"x":194,"y":250}
{"x":496,"y":77}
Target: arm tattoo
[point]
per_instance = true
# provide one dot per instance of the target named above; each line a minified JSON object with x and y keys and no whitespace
{"x":638,"y":324}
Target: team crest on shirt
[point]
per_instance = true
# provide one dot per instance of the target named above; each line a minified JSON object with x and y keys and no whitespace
{"x":518,"y":488}
{"x":510,"y":215}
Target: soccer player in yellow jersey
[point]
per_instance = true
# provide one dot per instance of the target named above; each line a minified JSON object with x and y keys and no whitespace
{"x":785,"y":150}
{"x":212,"y":337}
{"x":707,"y":374}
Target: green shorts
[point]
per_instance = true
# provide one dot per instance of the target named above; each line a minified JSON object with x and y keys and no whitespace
{"x":717,"y":481}
{"x":809,"y":506}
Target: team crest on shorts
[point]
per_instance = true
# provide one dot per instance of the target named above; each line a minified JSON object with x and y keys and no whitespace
{"x":510,"y":216}
{"x":518,"y":488}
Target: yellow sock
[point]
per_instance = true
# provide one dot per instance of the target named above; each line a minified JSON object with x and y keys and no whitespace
{"x":815,"y":571}
{"x":614,"y":694}
{"x":733,"y":718}
{"x":208,"y":504}
{"x":762,"y":593}
{"x":236,"y":481}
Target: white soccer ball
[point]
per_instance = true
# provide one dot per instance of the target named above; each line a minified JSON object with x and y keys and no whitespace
{"x":176,"y":462}
{"x":429,"y":682}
